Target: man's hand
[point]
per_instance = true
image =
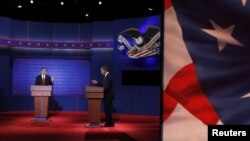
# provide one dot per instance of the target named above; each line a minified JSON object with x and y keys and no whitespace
{"x":94,"y":81}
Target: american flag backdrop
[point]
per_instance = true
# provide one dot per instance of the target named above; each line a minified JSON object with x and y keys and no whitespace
{"x":206,"y":66}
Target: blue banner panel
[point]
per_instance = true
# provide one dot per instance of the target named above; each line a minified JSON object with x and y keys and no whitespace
{"x":41,"y":31}
{"x":5,"y":27}
{"x":70,"y":75}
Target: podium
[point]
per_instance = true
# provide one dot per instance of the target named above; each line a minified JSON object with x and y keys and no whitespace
{"x":41,"y":96}
{"x":94,"y":96}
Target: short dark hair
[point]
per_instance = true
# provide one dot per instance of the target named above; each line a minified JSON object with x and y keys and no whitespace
{"x":43,"y":68}
{"x":105,"y":68}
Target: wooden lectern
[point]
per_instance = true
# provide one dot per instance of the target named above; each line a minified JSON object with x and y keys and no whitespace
{"x":41,"y":99}
{"x":94,"y":96}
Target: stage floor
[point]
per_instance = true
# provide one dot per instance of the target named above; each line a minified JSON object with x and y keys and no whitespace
{"x":70,"y":126}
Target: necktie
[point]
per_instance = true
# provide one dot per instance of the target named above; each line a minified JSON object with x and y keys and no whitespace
{"x":43,"y":78}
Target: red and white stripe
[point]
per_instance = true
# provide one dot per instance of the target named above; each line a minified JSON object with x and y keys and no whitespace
{"x":141,"y":54}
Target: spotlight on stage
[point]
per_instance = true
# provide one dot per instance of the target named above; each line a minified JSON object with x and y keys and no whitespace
{"x":19,"y":6}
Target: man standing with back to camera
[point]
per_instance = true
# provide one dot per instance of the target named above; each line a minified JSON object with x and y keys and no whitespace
{"x":108,"y":95}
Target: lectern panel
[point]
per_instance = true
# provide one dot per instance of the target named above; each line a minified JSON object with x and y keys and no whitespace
{"x":94,"y":96}
{"x":94,"y":106}
{"x":41,"y":99}
{"x":41,"y":107}
{"x":92,"y":89}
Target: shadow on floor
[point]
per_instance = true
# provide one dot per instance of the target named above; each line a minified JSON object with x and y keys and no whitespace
{"x":108,"y":135}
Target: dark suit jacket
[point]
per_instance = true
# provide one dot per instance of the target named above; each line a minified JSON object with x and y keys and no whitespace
{"x":108,"y":87}
{"x":47,"y":81}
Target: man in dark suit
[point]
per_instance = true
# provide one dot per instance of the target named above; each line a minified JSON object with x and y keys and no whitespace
{"x":44,"y":79}
{"x":108,"y":95}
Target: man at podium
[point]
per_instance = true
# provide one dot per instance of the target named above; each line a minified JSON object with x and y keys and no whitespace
{"x":42,"y":92}
{"x":108,"y":95}
{"x":44,"y":79}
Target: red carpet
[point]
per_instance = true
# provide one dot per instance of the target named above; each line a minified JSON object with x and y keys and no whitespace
{"x":70,"y":126}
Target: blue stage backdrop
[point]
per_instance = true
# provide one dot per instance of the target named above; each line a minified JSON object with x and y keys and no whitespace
{"x":70,"y":75}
